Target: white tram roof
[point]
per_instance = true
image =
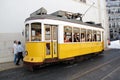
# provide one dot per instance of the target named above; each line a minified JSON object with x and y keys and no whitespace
{"x":54,"y":17}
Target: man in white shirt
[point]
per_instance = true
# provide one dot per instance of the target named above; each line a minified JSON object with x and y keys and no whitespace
{"x":15,"y":51}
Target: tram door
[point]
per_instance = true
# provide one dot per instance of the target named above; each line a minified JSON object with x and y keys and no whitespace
{"x":51,"y":38}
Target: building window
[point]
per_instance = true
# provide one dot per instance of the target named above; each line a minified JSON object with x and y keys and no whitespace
{"x":83,"y":1}
{"x":113,"y":0}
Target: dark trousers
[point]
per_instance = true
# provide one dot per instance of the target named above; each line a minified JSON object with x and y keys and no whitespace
{"x":20,"y":56}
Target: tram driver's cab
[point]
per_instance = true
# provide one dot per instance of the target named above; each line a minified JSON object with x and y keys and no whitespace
{"x":41,"y":41}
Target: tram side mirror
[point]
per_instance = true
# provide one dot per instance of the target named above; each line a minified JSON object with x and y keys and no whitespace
{"x":23,"y":33}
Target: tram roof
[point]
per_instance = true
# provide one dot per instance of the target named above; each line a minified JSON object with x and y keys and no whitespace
{"x":61,"y":19}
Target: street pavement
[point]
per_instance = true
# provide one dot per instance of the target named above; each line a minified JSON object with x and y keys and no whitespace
{"x":102,"y":67}
{"x":9,"y":65}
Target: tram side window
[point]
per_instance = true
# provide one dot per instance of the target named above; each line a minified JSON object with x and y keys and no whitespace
{"x":89,"y":35}
{"x":102,"y":36}
{"x":76,"y":35}
{"x":47,"y":32}
{"x":83,"y":35}
{"x":94,"y":37}
{"x":35,"y":32}
{"x":27,"y":32}
{"x":98,"y":36}
{"x":54,"y":28}
{"x":67,"y":34}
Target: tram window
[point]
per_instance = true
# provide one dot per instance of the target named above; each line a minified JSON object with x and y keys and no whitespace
{"x":89,"y":35}
{"x":67,"y":34}
{"x":102,"y":35}
{"x":76,"y":35}
{"x":83,"y":35}
{"x":94,"y":37}
{"x":47,"y":32}
{"x":35,"y":32}
{"x":27,"y":32}
{"x":48,"y":48}
{"x":98,"y":36}
{"x":54,"y":32}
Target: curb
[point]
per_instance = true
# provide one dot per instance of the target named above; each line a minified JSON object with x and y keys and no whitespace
{"x":9,"y":65}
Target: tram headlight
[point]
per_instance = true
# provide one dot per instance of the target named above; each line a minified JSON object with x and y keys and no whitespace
{"x":31,"y":59}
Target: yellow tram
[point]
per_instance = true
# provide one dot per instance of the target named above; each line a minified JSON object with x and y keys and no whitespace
{"x":53,"y":37}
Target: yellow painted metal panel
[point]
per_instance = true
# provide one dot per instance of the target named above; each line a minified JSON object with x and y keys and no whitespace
{"x":35,"y":51}
{"x":33,"y":59}
{"x":67,"y":50}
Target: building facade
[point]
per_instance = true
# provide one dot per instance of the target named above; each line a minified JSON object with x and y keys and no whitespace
{"x":113,"y":10}
{"x":6,"y":45}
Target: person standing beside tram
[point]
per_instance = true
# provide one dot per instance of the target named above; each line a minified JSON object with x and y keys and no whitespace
{"x":15,"y":51}
{"x":20,"y":51}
